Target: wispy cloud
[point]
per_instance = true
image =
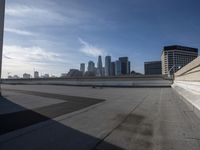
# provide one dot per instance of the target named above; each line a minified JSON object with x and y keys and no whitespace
{"x":18,"y":31}
{"x":30,"y":54}
{"x":32,"y":15}
{"x":90,"y":49}
{"x":19,"y":59}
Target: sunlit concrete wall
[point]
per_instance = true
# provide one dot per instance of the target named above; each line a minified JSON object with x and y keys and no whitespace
{"x":189,"y":77}
{"x":187,"y":84}
{"x":190,"y":72}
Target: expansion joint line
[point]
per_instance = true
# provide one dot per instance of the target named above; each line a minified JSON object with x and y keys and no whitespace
{"x":118,"y":125}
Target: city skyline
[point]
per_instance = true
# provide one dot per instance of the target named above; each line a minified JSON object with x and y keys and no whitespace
{"x":54,"y":37}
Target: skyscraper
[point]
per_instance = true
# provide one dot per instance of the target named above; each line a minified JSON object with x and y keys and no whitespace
{"x":99,"y":66}
{"x":129,"y":68}
{"x":124,"y":65}
{"x":107,"y":65}
{"x":36,"y":74}
{"x":112,"y":69}
{"x":91,"y":66}
{"x":26,"y":76}
{"x":118,"y":68}
{"x":176,"y":56}
{"x":82,"y":67}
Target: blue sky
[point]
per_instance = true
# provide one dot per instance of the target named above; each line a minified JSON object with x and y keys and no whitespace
{"x":53,"y":36}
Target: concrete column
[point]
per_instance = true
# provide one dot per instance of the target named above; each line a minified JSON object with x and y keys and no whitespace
{"x":2,"y":13}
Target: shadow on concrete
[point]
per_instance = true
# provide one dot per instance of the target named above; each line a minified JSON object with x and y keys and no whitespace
{"x":51,"y":136}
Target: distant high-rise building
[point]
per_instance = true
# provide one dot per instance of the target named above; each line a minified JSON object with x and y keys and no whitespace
{"x":91,"y":66}
{"x":152,"y":68}
{"x":118,"y":68}
{"x":112,"y":69}
{"x":26,"y":76}
{"x":107,"y":65}
{"x":13,"y":77}
{"x":36,"y":74}
{"x":74,"y":73}
{"x":129,"y":68}
{"x":46,"y":75}
{"x":16,"y":77}
{"x":82,"y":67}
{"x":124,"y":65}
{"x":175,"y":56}
{"x":99,"y":66}
{"x":103,"y":71}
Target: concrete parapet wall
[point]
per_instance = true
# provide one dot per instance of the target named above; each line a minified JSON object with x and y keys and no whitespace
{"x":187,"y":84}
{"x":190,"y":94}
{"x":193,"y":87}
{"x":129,"y":82}
{"x":190,"y":72}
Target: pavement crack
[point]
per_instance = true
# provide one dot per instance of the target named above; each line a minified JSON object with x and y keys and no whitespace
{"x":193,"y":138}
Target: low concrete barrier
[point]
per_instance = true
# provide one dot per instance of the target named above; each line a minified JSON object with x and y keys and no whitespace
{"x":187,"y":84}
{"x":143,"y":81}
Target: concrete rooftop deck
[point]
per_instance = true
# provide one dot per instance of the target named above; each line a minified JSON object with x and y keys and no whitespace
{"x":37,"y":117}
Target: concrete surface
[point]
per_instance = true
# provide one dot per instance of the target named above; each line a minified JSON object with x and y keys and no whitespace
{"x":129,"y":118}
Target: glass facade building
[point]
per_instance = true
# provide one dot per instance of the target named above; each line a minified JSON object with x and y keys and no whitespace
{"x":176,"y":56}
{"x":82,"y":67}
{"x":152,"y":68}
{"x":118,"y":68}
{"x":91,"y":66}
{"x":99,"y":67}
{"x":124,"y":65}
{"x":112,"y":69}
{"x":107,"y":65}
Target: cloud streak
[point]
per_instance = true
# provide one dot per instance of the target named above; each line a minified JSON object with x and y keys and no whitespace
{"x":30,"y":54}
{"x":90,"y":50}
{"x":19,"y":59}
{"x":25,"y":15}
{"x":19,"y":32}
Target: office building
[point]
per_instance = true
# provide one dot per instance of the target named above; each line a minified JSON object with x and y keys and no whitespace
{"x":174,"y":57}
{"x":152,"y":68}
{"x":26,"y":76}
{"x":13,"y":77}
{"x":74,"y":73}
{"x":118,"y":70}
{"x":124,"y":65}
{"x":107,"y":65}
{"x":112,"y":69}
{"x":46,"y":75}
{"x":99,"y":67}
{"x":91,"y":66}
{"x":129,"y":68}
{"x":82,"y":67}
{"x":103,"y":71}
{"x":36,"y":74}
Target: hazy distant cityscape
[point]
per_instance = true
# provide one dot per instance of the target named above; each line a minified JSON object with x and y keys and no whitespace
{"x":173,"y":58}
